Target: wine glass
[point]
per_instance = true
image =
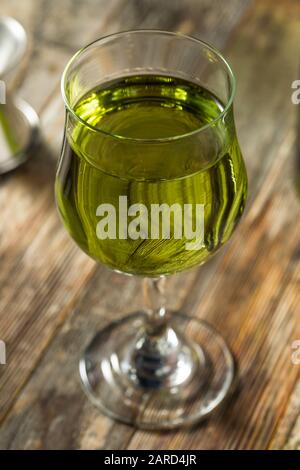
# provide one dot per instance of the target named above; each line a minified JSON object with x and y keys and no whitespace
{"x":150,"y":182}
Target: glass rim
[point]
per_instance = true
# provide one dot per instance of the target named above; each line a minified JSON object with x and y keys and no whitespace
{"x":106,"y":38}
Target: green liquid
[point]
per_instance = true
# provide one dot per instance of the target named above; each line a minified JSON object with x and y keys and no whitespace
{"x":204,"y":168}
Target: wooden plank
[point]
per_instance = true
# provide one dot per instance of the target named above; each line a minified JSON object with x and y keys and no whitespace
{"x":288,"y":431}
{"x":209,"y":18}
{"x":46,"y":288}
{"x":46,"y":66}
{"x":258,"y":317}
{"x":263,"y":109}
{"x":55,"y":401}
{"x":255,"y":295}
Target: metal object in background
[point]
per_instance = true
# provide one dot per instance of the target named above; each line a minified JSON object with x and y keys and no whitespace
{"x":18,"y":120}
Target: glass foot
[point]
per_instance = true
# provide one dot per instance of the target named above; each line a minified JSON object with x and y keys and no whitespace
{"x":162,"y":383}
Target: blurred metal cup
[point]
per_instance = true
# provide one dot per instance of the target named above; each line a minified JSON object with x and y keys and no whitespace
{"x":18,"y":120}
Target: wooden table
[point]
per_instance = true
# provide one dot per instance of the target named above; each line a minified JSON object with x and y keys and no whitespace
{"x":54,"y":298}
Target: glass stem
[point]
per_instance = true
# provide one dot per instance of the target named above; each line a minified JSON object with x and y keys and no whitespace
{"x":155,"y":303}
{"x":154,"y":362}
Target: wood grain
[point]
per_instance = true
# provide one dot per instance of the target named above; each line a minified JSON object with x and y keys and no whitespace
{"x":53,"y":297}
{"x":257,"y":283}
{"x":44,"y":288}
